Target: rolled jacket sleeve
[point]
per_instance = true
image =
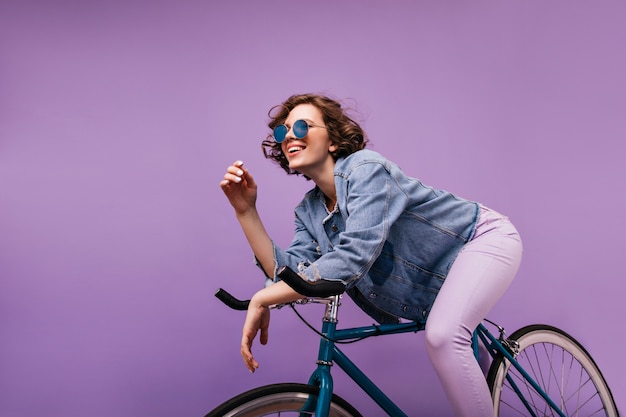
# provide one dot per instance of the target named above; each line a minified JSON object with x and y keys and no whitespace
{"x":302,"y":252}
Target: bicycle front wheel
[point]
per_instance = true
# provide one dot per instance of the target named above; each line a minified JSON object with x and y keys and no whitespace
{"x":560,"y":366}
{"x":287,"y":399}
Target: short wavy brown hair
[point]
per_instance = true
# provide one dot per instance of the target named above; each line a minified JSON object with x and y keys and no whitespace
{"x":343,"y":131}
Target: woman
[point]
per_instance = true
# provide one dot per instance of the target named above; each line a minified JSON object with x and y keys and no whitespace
{"x":404,"y":250}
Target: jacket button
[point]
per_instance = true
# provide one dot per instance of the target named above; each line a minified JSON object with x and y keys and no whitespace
{"x":334,"y":228}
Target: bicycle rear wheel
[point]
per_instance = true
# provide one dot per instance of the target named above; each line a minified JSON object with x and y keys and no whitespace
{"x":286,"y":399}
{"x":563,"y":369}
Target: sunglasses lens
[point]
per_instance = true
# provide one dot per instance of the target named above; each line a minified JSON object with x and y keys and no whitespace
{"x":300,"y":129}
{"x":280,"y":132}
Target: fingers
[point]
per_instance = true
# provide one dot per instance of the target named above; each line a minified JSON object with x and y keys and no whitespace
{"x":257,"y":318}
{"x":236,"y":173}
{"x":265,"y":327}
{"x":246,"y":354}
{"x":264,"y":335}
{"x":250,"y":329}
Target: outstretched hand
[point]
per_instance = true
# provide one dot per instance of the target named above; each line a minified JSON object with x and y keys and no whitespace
{"x":239,"y":187}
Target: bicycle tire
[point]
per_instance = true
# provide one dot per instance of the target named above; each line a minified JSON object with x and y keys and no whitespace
{"x":279,"y":398}
{"x":563,"y":369}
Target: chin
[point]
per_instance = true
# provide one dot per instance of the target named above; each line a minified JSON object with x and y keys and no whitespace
{"x":296,"y":168}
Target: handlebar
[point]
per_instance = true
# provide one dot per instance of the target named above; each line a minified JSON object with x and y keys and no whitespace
{"x":322,"y":288}
{"x":232,"y":302}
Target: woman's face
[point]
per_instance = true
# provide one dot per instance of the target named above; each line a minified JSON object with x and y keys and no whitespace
{"x":309,"y":155}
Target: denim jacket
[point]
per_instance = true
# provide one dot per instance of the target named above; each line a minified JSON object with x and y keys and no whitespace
{"x":390,"y":238}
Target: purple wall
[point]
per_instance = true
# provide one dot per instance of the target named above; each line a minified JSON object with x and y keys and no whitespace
{"x":118,"y":118}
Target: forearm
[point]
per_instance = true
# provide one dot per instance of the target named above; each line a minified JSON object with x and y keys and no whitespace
{"x":258,"y":239}
{"x":279,"y":293}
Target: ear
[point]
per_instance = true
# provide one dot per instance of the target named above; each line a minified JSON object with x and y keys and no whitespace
{"x":332,"y":148}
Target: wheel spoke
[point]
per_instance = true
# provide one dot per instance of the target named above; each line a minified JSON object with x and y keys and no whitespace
{"x":561,"y":367}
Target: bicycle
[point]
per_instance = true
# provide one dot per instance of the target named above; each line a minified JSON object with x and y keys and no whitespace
{"x":539,"y":370}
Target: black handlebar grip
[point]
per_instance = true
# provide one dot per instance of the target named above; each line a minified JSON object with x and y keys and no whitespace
{"x":231,"y":301}
{"x":321,"y":288}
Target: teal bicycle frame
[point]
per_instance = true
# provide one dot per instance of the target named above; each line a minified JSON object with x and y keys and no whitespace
{"x":330,"y":354}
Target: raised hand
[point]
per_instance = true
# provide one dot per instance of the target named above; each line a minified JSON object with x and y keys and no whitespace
{"x":239,"y":187}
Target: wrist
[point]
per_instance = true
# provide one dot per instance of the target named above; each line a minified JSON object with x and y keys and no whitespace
{"x":259,"y":301}
{"x":246,"y":214}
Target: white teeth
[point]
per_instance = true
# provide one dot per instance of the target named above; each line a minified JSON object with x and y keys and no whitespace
{"x":295,"y":149}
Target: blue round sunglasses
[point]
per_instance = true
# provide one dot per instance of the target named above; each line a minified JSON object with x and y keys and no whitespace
{"x":300,"y":130}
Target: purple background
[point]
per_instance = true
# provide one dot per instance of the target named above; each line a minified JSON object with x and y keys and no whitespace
{"x":118,"y":118}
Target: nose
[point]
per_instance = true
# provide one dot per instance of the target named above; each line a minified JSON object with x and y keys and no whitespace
{"x":290,"y":135}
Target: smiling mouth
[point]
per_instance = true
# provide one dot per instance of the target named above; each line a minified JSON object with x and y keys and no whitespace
{"x":294,"y":149}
